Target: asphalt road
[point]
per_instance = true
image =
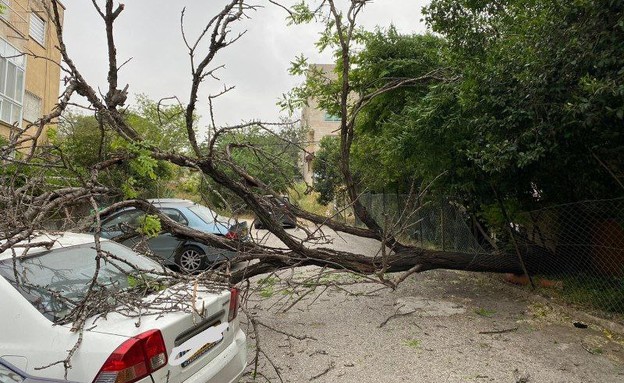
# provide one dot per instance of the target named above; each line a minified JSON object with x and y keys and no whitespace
{"x":439,"y":326}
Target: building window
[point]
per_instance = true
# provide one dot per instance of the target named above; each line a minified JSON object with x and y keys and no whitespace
{"x":32,"y":107}
{"x":37,"y":28}
{"x":12,"y":65}
{"x":331,"y":117}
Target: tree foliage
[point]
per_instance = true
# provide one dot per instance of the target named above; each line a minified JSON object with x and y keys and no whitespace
{"x":269,"y":155}
{"x":526,"y":103}
{"x":541,"y":93}
{"x":327,"y":179}
{"x":86,"y":140}
{"x":380,"y":148}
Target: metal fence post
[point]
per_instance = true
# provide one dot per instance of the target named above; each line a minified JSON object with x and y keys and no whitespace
{"x":442,"y":224}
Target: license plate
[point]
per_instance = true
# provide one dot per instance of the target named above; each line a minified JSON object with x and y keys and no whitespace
{"x":205,"y":348}
{"x":192,"y":349}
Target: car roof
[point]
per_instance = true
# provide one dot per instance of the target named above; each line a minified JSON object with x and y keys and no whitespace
{"x":58,"y":239}
{"x":170,"y":201}
{"x":159,"y":203}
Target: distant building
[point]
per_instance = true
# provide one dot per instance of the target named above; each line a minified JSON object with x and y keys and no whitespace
{"x":29,"y":65}
{"x":319,"y":124}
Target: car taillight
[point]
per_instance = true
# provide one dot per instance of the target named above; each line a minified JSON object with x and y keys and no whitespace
{"x":231,"y":235}
{"x":233,"y":304}
{"x":134,"y":359}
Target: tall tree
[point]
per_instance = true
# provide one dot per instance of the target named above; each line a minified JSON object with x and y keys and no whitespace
{"x":523,"y":100}
{"x":540,"y":94}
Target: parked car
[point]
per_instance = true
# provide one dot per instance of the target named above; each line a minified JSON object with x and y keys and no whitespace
{"x":43,"y":286}
{"x":11,"y":374}
{"x":190,"y":256}
{"x":281,"y":212}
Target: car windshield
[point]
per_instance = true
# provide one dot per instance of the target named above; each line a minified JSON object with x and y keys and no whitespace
{"x":53,"y":281}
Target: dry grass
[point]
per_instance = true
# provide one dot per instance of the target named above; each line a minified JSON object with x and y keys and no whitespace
{"x":308,"y":202}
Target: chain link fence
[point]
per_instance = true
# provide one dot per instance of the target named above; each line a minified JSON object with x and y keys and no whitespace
{"x":583,"y":261}
{"x":433,"y":224}
{"x":576,"y":250}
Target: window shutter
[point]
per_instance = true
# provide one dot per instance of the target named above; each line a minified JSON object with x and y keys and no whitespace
{"x":32,"y":107}
{"x":37,"y":28}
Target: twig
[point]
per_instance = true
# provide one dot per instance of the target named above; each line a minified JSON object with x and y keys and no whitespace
{"x":499,"y":331}
{"x":328,"y":369}
{"x":396,"y":314}
{"x":304,"y":337}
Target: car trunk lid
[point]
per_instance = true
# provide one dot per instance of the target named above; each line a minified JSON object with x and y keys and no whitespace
{"x":194,"y":326}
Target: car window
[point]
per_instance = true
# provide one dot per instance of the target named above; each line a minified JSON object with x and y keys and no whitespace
{"x":9,"y":376}
{"x":281,"y":201}
{"x":130,"y":218}
{"x":175,"y":215}
{"x":54,"y":281}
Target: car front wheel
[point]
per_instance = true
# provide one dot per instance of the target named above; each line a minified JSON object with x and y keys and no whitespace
{"x":191,"y":259}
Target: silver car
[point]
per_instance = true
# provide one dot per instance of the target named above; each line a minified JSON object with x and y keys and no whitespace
{"x":186,"y":254}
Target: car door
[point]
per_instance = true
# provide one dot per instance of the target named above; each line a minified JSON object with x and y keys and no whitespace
{"x":120,"y":223}
{"x":165,"y":244}
{"x":162,"y":246}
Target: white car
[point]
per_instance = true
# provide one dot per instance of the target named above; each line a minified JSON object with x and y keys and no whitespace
{"x":195,"y":337}
{"x":11,"y":374}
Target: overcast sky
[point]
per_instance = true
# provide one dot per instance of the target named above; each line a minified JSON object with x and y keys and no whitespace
{"x":148,"y":32}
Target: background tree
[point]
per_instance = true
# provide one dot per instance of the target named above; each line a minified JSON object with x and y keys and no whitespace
{"x":524,"y":103}
{"x":269,"y":153}
{"x":86,"y":140}
{"x":540,"y":95}
{"x":326,"y":163}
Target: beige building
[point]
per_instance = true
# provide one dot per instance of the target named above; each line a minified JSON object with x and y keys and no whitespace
{"x":319,"y":124}
{"x":29,"y":65}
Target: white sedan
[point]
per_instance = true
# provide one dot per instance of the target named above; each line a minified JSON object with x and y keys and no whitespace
{"x":183,"y":333}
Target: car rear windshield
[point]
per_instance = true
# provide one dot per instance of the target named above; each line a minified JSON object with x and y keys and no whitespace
{"x":205,"y":214}
{"x":54,"y":281}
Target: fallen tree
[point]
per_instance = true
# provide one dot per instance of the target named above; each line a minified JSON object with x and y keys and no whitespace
{"x":36,"y":199}
{"x":39,"y":183}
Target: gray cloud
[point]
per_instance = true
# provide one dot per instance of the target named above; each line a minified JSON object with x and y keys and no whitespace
{"x":148,"y":32}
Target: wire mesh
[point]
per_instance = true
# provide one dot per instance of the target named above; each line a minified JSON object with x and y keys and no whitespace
{"x":575,"y":252}
{"x":583,"y":257}
{"x":433,"y":224}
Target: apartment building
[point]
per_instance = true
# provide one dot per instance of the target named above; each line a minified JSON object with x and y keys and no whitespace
{"x":29,"y":65}
{"x":319,"y":124}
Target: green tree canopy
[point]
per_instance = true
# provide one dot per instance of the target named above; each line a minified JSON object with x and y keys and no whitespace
{"x":540,"y":95}
{"x":85,"y":141}
{"x":526,"y":99}
{"x":270,"y":155}
{"x":327,"y":177}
